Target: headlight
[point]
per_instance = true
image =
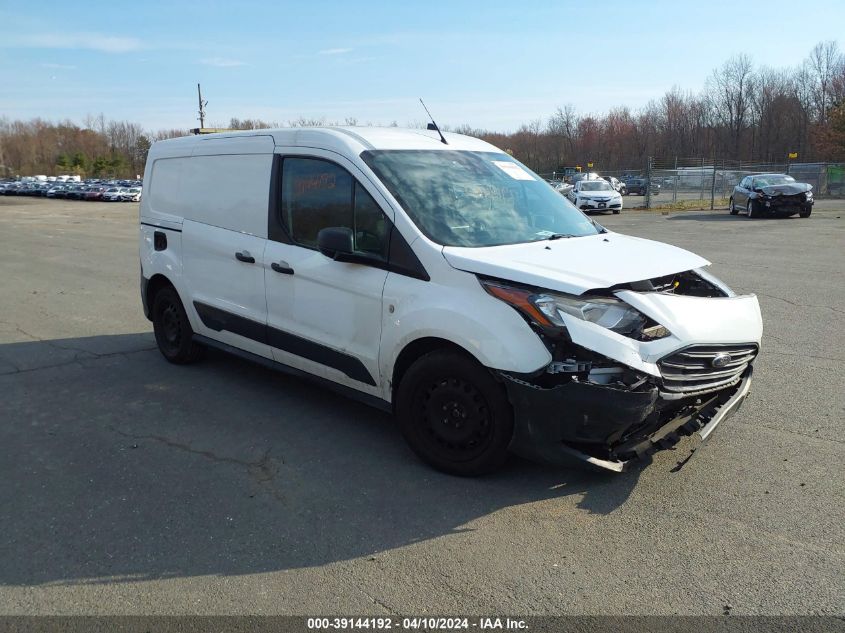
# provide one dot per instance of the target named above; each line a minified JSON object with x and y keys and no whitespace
{"x":547,"y":309}
{"x":609,"y":313}
{"x":809,"y":194}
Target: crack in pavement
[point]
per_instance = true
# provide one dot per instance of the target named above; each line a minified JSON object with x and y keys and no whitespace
{"x":799,"y":305}
{"x":80,"y":355}
{"x":379,"y":602}
{"x":263,"y":471}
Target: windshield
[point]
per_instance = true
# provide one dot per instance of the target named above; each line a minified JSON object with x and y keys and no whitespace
{"x":462,"y":198}
{"x":596,"y":185}
{"x":767,"y":181}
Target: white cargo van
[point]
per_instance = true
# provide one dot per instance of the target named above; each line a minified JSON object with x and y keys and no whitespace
{"x":442,"y":280}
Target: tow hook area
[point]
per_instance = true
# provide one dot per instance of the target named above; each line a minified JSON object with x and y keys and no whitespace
{"x":609,"y":425}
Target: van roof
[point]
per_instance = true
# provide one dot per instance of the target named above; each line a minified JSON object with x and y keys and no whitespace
{"x":351,"y":139}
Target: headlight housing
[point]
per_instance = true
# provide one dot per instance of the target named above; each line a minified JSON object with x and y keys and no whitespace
{"x":546,"y":309}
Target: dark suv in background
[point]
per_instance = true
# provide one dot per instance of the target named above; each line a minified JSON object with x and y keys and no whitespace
{"x":641,"y":186}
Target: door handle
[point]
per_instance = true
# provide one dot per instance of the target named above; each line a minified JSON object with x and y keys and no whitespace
{"x":244,"y":256}
{"x":282,"y":267}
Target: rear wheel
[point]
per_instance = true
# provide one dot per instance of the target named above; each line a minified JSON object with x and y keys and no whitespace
{"x":454,"y":414}
{"x":731,"y":207}
{"x":173,"y":330}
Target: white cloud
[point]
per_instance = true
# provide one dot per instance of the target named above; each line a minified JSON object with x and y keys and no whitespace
{"x":221,"y":62}
{"x":335,"y":51}
{"x":59,"y":66}
{"x":88,"y":41}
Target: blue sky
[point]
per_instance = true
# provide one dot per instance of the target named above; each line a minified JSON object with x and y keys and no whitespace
{"x":489,"y":64}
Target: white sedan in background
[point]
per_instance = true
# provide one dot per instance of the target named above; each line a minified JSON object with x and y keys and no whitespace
{"x":133,"y":194}
{"x":595,"y":195}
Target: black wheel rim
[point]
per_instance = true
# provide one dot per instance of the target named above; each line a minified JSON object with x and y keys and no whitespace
{"x":171,"y":326}
{"x":455,"y":421}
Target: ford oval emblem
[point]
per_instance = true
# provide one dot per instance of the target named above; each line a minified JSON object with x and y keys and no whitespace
{"x":721,"y":360}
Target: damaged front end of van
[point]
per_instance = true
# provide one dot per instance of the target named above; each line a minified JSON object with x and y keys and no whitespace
{"x":634,"y":366}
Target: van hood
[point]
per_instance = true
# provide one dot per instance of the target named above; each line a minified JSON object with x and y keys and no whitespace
{"x":576,"y":265}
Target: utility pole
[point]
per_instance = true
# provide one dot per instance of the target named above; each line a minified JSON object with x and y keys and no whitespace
{"x":202,"y":107}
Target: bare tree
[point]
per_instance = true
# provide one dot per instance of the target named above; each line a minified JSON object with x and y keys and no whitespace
{"x":564,"y":124}
{"x":730,"y":89}
{"x":824,"y":62}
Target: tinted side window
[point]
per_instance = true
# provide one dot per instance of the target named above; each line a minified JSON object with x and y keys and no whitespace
{"x":317,"y":194}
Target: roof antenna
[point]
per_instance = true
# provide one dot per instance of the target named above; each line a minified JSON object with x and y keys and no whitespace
{"x":433,"y":125}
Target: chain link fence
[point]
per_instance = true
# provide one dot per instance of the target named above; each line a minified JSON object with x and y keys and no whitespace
{"x":705,"y":183}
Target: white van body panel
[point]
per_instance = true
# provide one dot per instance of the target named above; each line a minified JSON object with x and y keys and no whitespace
{"x":214,"y":277}
{"x":237,"y":144}
{"x":167,"y":262}
{"x":454,"y":307}
{"x":228,"y":191}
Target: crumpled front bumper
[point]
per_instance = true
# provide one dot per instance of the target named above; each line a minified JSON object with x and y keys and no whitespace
{"x":593,"y":205}
{"x":611,"y":427}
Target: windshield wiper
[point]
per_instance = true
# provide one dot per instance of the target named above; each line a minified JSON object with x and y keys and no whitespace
{"x":559,"y":236}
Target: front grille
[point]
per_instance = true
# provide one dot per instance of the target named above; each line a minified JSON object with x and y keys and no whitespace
{"x":690,"y":371}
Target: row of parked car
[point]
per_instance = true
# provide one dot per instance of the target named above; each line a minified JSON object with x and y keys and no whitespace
{"x":108,"y":191}
{"x":757,"y":194}
{"x":627,"y":185}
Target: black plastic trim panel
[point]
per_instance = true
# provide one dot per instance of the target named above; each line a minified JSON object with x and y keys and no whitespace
{"x":373,"y":401}
{"x":159,"y":226}
{"x":219,"y":320}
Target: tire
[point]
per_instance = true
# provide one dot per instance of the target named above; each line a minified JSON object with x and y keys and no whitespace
{"x":805,"y":213}
{"x":172,"y":329}
{"x":751,"y":209}
{"x":616,"y":211}
{"x":454,"y":415}
{"x":731,"y":207}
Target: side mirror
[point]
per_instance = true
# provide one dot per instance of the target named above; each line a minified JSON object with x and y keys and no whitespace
{"x":335,"y":242}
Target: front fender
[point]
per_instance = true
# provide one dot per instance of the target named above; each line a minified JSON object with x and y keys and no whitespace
{"x":463,"y":314}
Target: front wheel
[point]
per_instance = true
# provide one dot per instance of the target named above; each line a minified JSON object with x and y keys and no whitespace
{"x":751,"y":209}
{"x":172,"y":329}
{"x":454,"y":414}
{"x":616,"y":211}
{"x":805,"y":213}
